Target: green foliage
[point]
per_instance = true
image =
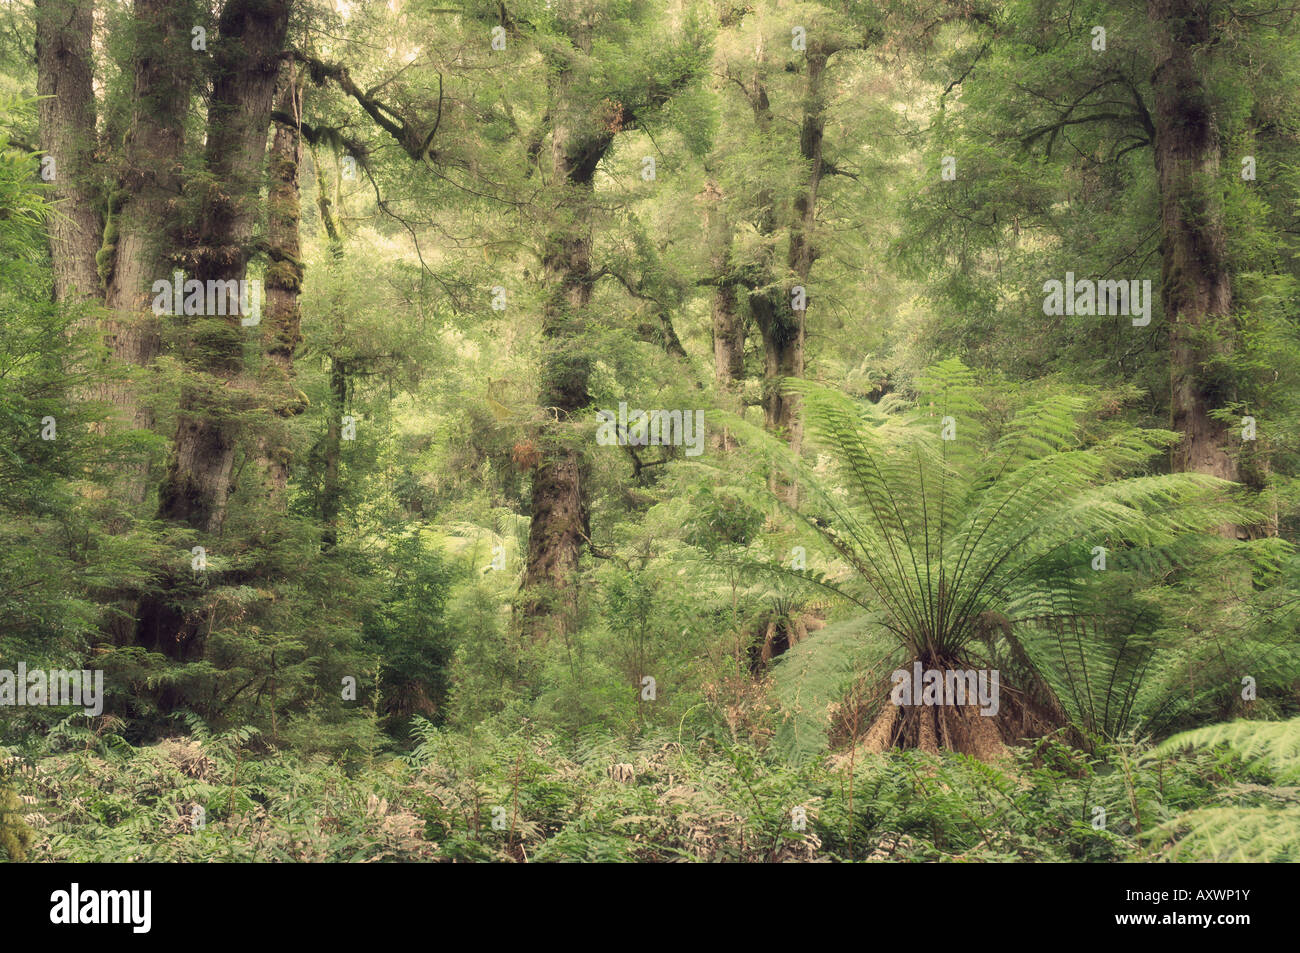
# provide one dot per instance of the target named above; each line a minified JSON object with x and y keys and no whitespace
{"x":407,"y":631}
{"x":496,"y":794}
{"x":939,"y":517}
{"x":768,"y":592}
{"x":1269,"y":747}
{"x":56,"y":560}
{"x":1253,"y":821}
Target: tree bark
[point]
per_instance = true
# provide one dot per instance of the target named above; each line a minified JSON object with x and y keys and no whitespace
{"x":584,"y":121}
{"x":282,"y":321}
{"x":727,"y":322}
{"x":332,"y":451}
{"x":194,"y":492}
{"x":559,"y":521}
{"x":64,"y":80}
{"x":142,"y":228}
{"x":246,"y":60}
{"x":1196,"y":289}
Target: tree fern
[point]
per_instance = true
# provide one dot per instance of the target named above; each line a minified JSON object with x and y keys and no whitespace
{"x":955,"y":530}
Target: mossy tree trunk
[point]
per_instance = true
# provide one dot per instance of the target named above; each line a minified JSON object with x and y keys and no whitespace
{"x":282,"y":321}
{"x":64,"y":80}
{"x":1196,"y":286}
{"x":559,"y":519}
{"x":194,"y":493}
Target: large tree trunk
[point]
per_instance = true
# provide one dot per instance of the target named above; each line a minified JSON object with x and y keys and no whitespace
{"x":559,"y":526}
{"x":64,"y":80}
{"x":246,"y":62}
{"x":246,"y":59}
{"x":282,"y":321}
{"x":114,"y":260}
{"x":137,"y":234}
{"x":1195,"y":283}
{"x":559,"y":521}
{"x":142,"y":232}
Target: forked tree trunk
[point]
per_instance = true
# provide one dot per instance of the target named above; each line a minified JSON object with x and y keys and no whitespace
{"x":246,"y":59}
{"x":769,"y":303}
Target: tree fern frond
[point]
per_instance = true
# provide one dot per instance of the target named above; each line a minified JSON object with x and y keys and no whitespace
{"x":1273,"y":746}
{"x":813,"y":676}
{"x":1231,"y":834}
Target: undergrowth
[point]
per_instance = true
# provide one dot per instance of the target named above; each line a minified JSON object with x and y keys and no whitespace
{"x":526,"y":795}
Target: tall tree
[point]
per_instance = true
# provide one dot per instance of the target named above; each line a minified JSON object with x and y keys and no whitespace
{"x":282,"y":321}
{"x":592,"y":99}
{"x":143,"y":215}
{"x":194,"y":492}
{"x":65,"y":81}
{"x":1196,"y":286}
{"x":246,"y":63}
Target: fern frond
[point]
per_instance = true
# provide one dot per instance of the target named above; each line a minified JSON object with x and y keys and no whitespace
{"x":1231,"y":834}
{"x":1272,"y":746}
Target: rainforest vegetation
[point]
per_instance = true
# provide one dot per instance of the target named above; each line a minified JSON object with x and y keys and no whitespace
{"x":649,"y":430}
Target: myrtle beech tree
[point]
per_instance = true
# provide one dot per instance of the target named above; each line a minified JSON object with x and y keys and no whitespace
{"x":592,"y":99}
{"x":1149,"y":119}
{"x":118,"y":221}
{"x":282,"y":320}
{"x":1187,"y":126}
{"x":154,"y":221}
{"x":65,"y":80}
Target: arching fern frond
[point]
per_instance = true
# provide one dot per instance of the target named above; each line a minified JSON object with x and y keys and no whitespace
{"x":1270,"y":746}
